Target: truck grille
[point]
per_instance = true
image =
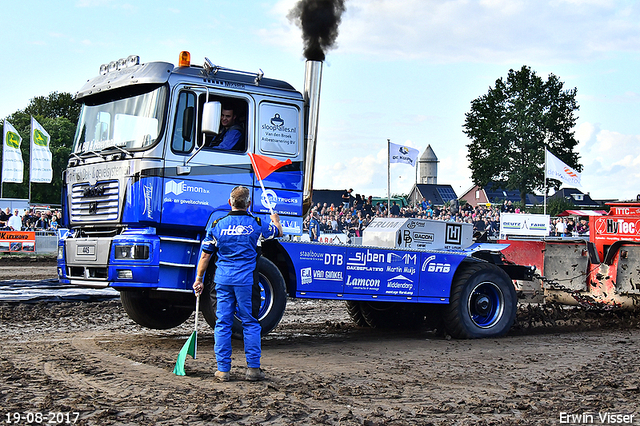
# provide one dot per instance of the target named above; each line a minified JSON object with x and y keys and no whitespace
{"x":95,"y":203}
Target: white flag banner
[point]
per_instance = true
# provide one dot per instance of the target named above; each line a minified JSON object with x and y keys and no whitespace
{"x":41,"y":170}
{"x":403,"y":154}
{"x":556,"y":169}
{"x":12,"y":165}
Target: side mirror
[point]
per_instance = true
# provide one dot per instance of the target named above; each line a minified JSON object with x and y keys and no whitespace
{"x":211,"y":113}
{"x":187,"y":123}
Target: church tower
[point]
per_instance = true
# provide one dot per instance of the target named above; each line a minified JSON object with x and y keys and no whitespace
{"x":428,"y":167}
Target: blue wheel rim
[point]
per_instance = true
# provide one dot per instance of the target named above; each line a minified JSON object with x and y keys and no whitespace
{"x":266,"y":298}
{"x":486,"y":304}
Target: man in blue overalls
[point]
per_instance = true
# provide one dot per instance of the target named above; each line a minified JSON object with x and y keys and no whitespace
{"x":314,"y":226}
{"x":234,"y":238}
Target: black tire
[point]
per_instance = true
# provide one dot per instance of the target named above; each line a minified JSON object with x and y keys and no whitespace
{"x":273,"y":299}
{"x":353,"y":307}
{"x":392,"y":315}
{"x":483,"y":302}
{"x":156,"y":313}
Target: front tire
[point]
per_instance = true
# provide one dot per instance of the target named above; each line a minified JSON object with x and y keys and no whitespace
{"x":273,"y":299}
{"x":156,"y":313}
{"x":483,"y":302}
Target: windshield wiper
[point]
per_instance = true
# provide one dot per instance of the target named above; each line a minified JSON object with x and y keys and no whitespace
{"x":124,"y":151}
{"x":97,"y":154}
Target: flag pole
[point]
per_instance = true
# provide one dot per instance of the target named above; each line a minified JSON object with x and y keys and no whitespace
{"x":415,"y":186}
{"x":4,"y":135}
{"x":190,"y":347}
{"x":30,"y":159}
{"x":255,"y":169}
{"x":545,"y":181}
{"x":264,"y":192}
{"x":195,"y":328}
{"x":388,"y":177}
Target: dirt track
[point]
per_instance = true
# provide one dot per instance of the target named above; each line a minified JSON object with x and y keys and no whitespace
{"x":91,"y":359}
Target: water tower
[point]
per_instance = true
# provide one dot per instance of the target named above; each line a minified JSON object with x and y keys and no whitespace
{"x":428,"y":167}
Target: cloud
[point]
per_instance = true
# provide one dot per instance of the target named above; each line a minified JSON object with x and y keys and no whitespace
{"x":102,"y":3}
{"x":611,"y":161}
{"x":453,"y":169}
{"x":366,"y":174}
{"x":280,"y":31}
{"x":489,"y":30}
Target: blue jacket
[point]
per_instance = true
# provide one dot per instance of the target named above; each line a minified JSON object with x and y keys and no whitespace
{"x":314,"y":226}
{"x":236,"y":237}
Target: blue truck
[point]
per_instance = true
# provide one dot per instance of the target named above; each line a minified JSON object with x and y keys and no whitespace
{"x":146,"y":178}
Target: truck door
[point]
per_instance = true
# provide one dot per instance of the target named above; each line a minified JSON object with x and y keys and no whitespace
{"x":196,"y":189}
{"x":279,"y":135}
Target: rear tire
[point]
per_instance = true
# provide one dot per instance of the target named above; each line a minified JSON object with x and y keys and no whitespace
{"x":353,"y":307}
{"x":483,"y":302}
{"x":159,"y":314}
{"x":273,"y":297}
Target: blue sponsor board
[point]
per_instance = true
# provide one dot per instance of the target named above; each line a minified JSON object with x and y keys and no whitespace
{"x":382,"y":272}
{"x":290,"y":225}
{"x":436,"y":273}
{"x":142,"y":201}
{"x":320,"y":269}
{"x":366,"y":273}
{"x":282,"y":202}
{"x":191,"y":203}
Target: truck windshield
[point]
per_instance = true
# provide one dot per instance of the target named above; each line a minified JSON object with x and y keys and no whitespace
{"x":131,"y":122}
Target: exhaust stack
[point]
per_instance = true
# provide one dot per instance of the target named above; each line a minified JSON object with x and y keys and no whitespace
{"x":312,"y":82}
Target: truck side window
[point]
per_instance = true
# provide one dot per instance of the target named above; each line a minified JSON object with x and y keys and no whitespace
{"x":233,"y":128}
{"x":184,"y":136}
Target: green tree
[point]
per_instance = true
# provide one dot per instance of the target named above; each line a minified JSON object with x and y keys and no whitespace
{"x":58,"y":114}
{"x":555,"y":206}
{"x":53,"y":106}
{"x":511,"y":125}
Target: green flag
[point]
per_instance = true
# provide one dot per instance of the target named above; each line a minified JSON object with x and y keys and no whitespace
{"x":12,"y":164}
{"x":40,"y":163}
{"x":189,"y":348}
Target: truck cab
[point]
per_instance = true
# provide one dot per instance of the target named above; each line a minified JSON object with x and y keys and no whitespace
{"x":146,"y":177}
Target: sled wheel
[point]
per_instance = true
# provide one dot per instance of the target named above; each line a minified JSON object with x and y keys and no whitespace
{"x":273,"y":298}
{"x":483,"y":302}
{"x":159,"y":314}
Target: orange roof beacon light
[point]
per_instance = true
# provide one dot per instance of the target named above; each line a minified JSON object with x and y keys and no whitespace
{"x":185,"y":59}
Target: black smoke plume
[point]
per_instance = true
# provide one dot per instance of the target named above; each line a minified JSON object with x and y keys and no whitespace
{"x":319,"y":21}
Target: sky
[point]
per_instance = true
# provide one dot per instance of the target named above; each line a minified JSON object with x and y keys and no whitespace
{"x":403,"y":70}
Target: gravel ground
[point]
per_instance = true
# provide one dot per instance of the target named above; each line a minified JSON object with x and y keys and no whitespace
{"x":59,"y":359}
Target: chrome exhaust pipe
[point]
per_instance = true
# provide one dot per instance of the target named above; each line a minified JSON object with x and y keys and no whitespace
{"x":312,"y":82}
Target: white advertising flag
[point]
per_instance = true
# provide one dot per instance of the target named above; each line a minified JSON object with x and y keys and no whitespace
{"x":41,"y":171}
{"x":12,"y":165}
{"x":556,"y":169}
{"x":403,"y":154}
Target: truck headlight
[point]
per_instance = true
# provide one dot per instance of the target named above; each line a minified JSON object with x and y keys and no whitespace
{"x":132,"y":251}
{"x":60,"y":252}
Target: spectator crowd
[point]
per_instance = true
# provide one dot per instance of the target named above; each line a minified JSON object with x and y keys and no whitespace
{"x":29,"y":220}
{"x":354,"y":214}
{"x":567,"y":227}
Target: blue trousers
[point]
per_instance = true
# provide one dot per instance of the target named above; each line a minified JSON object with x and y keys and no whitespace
{"x":228,"y":296}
